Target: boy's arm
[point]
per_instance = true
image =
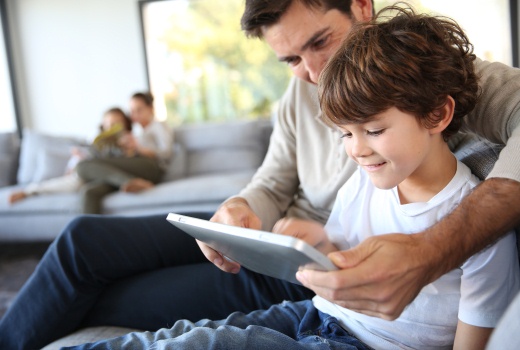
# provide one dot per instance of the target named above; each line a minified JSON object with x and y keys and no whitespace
{"x":470,"y":337}
{"x":383,"y":274}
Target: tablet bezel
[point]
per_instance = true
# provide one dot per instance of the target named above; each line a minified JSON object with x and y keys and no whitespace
{"x":264,"y":252}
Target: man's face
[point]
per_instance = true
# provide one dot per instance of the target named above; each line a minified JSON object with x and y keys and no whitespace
{"x":305,"y":38}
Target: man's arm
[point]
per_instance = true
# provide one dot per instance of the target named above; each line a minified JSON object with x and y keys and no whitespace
{"x":385,"y":273}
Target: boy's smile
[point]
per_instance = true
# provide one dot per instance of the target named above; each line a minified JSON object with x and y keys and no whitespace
{"x":395,"y":149}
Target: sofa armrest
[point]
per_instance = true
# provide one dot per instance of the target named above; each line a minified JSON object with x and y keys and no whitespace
{"x":9,"y":153}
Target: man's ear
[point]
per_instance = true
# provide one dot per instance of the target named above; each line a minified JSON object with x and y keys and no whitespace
{"x":445,"y":115}
{"x":362,"y":10}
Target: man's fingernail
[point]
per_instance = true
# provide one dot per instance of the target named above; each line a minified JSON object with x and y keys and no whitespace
{"x":218,"y":261}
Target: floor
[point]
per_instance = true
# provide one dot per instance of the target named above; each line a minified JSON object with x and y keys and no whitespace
{"x":17,"y":262}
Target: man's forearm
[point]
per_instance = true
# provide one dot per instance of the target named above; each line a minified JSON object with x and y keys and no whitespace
{"x":484,"y":216}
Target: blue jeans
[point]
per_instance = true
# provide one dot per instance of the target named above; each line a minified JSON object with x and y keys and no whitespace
{"x":137,"y":272}
{"x":285,"y":326}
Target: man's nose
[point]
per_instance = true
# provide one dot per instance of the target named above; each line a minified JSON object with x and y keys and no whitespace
{"x":313,"y":68}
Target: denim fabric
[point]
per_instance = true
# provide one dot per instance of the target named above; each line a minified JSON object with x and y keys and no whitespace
{"x":286,"y":326}
{"x":137,"y":272}
{"x":506,"y":335}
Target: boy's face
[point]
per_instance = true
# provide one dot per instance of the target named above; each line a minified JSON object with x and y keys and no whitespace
{"x":305,"y":38}
{"x":391,"y":148}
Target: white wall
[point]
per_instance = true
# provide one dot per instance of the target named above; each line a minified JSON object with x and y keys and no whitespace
{"x":75,"y":59}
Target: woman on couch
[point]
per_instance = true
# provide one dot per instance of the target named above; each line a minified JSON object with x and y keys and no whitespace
{"x":149,"y":151}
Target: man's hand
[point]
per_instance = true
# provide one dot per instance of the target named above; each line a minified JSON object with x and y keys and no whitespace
{"x":235,"y":212}
{"x":379,"y":277}
{"x":385,"y":273}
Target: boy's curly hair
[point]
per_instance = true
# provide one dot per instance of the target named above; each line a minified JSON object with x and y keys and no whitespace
{"x":409,"y":61}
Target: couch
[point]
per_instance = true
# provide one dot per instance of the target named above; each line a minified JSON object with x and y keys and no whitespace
{"x":210,"y":163}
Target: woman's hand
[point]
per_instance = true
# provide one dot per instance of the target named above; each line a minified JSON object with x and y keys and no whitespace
{"x":235,"y":212}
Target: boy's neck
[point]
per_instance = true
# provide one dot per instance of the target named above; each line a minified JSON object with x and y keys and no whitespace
{"x":432,"y":177}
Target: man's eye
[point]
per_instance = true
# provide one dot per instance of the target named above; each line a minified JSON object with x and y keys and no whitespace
{"x":292,"y":61}
{"x":318,"y":44}
{"x":375,"y":132}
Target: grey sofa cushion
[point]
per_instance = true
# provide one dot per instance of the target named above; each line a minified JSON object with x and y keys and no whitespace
{"x":37,"y":149}
{"x":478,"y":154}
{"x":225,"y":147}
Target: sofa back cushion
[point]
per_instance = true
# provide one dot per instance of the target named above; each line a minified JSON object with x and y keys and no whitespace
{"x":9,"y":151}
{"x":224,"y":147}
{"x":44,"y":156}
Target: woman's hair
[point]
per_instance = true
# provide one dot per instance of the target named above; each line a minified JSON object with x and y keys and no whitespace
{"x":146,"y":97}
{"x":261,"y":13}
{"x":127,"y":122}
{"x":411,"y":61}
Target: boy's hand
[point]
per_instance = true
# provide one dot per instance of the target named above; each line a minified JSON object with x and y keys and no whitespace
{"x":311,"y":232}
{"x":235,"y":212}
{"x":379,"y":277}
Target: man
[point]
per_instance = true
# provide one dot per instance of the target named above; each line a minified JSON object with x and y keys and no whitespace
{"x":139,"y":272}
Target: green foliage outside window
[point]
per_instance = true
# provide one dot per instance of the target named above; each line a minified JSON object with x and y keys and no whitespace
{"x":216,"y":72}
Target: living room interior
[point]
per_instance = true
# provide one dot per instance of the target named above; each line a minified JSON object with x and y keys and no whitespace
{"x":66,"y":62}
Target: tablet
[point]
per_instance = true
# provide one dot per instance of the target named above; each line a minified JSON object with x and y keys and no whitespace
{"x":267,"y":253}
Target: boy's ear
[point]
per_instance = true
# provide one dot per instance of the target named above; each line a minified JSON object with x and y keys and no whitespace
{"x":445,"y":115}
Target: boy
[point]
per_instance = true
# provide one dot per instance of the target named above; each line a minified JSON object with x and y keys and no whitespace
{"x":412,"y":82}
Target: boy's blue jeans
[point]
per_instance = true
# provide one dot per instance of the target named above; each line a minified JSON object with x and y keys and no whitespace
{"x":286,"y":326}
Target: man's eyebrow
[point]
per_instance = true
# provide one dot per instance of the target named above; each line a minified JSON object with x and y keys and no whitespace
{"x":313,"y":38}
{"x":308,"y":43}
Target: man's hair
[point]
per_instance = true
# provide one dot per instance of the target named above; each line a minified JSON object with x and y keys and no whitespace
{"x":263,"y":13}
{"x":411,"y":61}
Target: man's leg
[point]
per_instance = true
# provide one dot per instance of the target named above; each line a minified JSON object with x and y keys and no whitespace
{"x":189,"y":292}
{"x":90,"y":254}
{"x":283,"y":326}
{"x":140,"y":272}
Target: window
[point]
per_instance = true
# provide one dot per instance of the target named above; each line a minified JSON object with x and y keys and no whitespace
{"x":201,"y":67}
{"x":486,"y":23}
{"x":8,"y":120}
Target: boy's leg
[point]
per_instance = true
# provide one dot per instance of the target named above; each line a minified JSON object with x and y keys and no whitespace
{"x":140,"y":272}
{"x":284,"y":326}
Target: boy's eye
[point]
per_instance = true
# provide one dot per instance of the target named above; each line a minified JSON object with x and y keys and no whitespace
{"x":375,"y":132}
{"x":346,"y":135}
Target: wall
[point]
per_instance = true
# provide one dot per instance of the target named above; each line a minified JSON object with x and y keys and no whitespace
{"x":75,"y":59}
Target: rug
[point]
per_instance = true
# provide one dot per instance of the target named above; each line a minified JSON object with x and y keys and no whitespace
{"x":17,"y":263}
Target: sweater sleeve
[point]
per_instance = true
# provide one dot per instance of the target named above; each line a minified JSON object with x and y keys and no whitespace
{"x":496,"y":116}
{"x":275,"y":184}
